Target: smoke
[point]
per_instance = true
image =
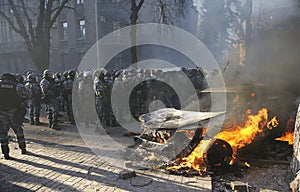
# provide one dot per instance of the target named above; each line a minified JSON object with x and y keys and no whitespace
{"x":273,"y":51}
{"x":273,"y":58}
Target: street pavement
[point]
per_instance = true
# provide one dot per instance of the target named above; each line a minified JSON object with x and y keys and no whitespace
{"x":61,"y":161}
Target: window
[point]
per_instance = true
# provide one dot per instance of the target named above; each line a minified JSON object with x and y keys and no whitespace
{"x":64,"y":30}
{"x":79,"y":2}
{"x":81,"y":29}
{"x":60,"y":2}
{"x":115,"y":26}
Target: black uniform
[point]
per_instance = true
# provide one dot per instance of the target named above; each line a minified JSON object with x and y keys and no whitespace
{"x":9,"y":104}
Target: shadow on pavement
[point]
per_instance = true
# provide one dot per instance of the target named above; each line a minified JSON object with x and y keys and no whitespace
{"x":10,"y":175}
{"x":103,"y":175}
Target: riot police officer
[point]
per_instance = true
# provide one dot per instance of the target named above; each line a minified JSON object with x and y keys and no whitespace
{"x":100,"y":97}
{"x":35,"y":101}
{"x":24,"y":95}
{"x":86,"y":86}
{"x":9,"y":104}
{"x":50,"y":93}
{"x":59,"y":84}
{"x":67,"y":94}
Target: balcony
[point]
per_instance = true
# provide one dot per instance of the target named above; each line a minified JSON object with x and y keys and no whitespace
{"x":12,"y":47}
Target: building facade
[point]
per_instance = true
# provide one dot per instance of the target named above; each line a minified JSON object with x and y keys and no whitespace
{"x":13,"y":52}
{"x":73,"y":34}
{"x":78,"y":29}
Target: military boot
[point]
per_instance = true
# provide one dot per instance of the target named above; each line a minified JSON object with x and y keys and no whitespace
{"x":54,"y":124}
{"x":22,"y":146}
{"x":37,"y":121}
{"x":50,"y":124}
{"x":31,"y":121}
{"x":5,"y":151}
{"x":55,"y":120}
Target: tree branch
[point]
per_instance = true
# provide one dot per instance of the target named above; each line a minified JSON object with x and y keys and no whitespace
{"x":48,"y":13}
{"x":29,"y":21}
{"x":139,"y":5}
{"x":22,"y":30}
{"x":58,"y":11}
{"x":161,"y":12}
{"x":11,"y":23}
{"x":40,"y":18}
{"x":18,"y":18}
{"x":69,"y":7}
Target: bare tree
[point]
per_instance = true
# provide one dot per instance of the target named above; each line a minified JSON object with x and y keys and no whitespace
{"x":169,"y":11}
{"x":135,"y":8}
{"x":164,"y":11}
{"x":33,"y":20}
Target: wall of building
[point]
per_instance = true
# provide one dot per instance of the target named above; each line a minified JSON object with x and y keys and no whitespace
{"x":13,"y":54}
{"x":67,"y":53}
{"x":101,"y":17}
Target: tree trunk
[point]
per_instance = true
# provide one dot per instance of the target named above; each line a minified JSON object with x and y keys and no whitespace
{"x":40,"y":54}
{"x":295,"y":164}
{"x":133,"y":22}
{"x":133,"y":45}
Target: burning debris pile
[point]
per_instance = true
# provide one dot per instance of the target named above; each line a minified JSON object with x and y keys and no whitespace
{"x":223,"y":149}
{"x":168,"y":131}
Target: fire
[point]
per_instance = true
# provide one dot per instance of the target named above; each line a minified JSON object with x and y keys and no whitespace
{"x":193,"y":161}
{"x":273,"y":123}
{"x":288,"y":136}
{"x":289,"y":133}
{"x":241,"y":136}
{"x":247,"y":164}
{"x":237,"y":137}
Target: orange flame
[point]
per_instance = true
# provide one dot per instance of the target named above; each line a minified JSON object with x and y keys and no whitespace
{"x":289,"y":133}
{"x":195,"y":160}
{"x":273,"y":123}
{"x":288,"y":136}
{"x":247,"y":164}
{"x":237,"y":137}
{"x":241,"y":136}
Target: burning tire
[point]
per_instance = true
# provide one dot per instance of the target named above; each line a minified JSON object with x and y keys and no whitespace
{"x":218,"y":153}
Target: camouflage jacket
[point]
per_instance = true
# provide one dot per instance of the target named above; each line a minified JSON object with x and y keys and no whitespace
{"x":48,"y":88}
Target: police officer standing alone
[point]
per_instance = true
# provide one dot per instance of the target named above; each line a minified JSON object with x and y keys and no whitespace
{"x":9,"y":104}
{"x":50,"y":93}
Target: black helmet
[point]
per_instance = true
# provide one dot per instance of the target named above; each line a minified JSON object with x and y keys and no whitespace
{"x":65,"y":74}
{"x":20,"y":77}
{"x":8,"y":76}
{"x":31,"y":77}
{"x":58,"y":75}
{"x":47,"y":73}
{"x":71,"y":74}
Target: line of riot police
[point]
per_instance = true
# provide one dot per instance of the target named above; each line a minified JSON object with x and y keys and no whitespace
{"x":55,"y":91}
{"x":144,"y":86}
